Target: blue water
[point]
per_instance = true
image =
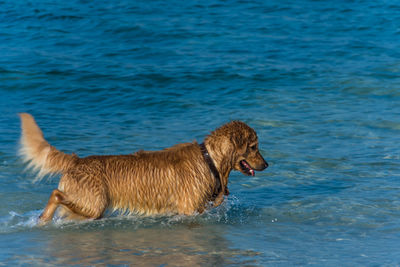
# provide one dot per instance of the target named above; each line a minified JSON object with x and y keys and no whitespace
{"x":318,"y":80}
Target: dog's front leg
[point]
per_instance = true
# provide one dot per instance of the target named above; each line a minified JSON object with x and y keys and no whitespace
{"x":219,"y":199}
{"x":226,"y":192}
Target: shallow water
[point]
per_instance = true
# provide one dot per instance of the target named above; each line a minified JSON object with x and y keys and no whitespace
{"x":318,"y":81}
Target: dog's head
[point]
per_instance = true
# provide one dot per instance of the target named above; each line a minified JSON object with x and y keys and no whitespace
{"x":241,"y":144}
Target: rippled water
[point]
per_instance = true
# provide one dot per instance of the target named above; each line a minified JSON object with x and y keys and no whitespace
{"x":318,"y":80}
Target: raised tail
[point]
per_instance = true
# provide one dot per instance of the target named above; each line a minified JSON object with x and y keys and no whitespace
{"x":42,"y":157}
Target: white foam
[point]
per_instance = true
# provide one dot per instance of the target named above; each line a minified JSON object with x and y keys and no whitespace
{"x":15,"y":221}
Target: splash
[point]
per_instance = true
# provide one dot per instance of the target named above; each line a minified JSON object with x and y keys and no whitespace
{"x":232,"y":211}
{"x":15,"y":221}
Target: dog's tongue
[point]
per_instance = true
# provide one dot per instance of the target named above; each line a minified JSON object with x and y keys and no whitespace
{"x":249,"y":168}
{"x":252,"y":172}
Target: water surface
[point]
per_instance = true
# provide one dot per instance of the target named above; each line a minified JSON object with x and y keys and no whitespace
{"x":319,"y":81}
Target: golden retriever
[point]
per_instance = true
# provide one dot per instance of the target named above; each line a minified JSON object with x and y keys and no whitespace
{"x":183,"y":179}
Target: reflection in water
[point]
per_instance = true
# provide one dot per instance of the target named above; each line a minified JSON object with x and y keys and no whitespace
{"x":178,"y":245}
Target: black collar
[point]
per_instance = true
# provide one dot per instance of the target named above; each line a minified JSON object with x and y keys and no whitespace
{"x":213,"y":169}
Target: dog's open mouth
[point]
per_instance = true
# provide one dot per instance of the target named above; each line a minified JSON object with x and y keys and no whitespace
{"x":246,"y":169}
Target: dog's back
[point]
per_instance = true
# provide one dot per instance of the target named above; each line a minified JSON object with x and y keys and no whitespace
{"x":174,"y":180}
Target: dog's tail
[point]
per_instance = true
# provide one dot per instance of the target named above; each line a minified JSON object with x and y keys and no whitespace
{"x":42,"y":157}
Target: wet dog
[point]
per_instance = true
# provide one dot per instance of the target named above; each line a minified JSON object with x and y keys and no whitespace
{"x":182,"y":179}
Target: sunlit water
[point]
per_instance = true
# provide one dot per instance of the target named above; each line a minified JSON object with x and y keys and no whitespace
{"x":319,"y":82}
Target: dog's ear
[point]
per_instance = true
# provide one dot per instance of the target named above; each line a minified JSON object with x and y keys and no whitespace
{"x":239,"y":142}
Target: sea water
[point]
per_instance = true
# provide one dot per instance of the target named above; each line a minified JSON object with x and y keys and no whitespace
{"x":318,"y":80}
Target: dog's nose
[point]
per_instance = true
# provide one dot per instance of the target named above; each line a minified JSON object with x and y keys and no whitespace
{"x":265,"y":164}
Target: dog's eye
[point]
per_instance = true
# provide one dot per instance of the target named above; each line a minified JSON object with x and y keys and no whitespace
{"x":253,"y":147}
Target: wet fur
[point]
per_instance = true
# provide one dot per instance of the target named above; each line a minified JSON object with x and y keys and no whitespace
{"x":175,"y":180}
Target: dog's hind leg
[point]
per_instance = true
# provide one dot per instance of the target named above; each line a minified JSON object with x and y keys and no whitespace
{"x":58,"y":198}
{"x":54,"y":200}
{"x":67,"y":214}
{"x":92,"y":208}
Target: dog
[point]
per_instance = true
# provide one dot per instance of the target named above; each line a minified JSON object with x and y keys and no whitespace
{"x":183,"y":179}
